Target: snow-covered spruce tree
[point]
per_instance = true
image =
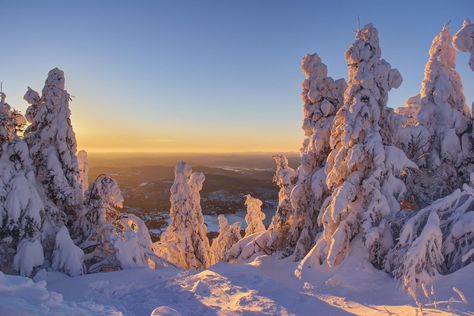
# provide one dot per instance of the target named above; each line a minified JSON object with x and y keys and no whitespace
{"x":463,"y":40}
{"x":254,"y":217}
{"x":21,"y":207}
{"x":83,"y":165}
{"x":279,"y":229}
{"x":436,"y":239}
{"x":446,"y":121}
{"x":52,"y":143}
{"x":228,"y":236}
{"x":362,"y":169}
{"x":185,"y":241}
{"x":111,"y":240}
{"x":322,"y":97}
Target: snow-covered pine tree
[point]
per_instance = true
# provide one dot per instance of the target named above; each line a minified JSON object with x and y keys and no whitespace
{"x":111,"y":240}
{"x":284,"y":178}
{"x":463,"y":40}
{"x":185,"y":241}
{"x":322,"y":97}
{"x":21,"y":207}
{"x":52,"y":143}
{"x":228,"y":236}
{"x":254,"y":217}
{"x":445,"y":121}
{"x":436,"y":239}
{"x":362,"y":169}
{"x":83,"y":165}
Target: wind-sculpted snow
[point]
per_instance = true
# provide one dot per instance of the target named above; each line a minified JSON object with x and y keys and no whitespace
{"x":254,"y":217}
{"x":185,"y":241}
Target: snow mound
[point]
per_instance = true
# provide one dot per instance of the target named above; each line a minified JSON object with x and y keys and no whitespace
{"x":22,"y":296}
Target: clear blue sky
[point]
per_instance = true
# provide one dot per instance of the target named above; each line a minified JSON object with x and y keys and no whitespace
{"x":205,"y":75}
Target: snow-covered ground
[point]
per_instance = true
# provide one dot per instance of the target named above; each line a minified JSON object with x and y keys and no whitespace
{"x":266,"y":285}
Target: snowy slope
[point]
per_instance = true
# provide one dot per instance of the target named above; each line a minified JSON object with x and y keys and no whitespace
{"x":264,"y":286}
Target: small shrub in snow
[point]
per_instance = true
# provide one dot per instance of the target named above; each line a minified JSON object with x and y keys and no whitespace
{"x":228,"y":236}
{"x":254,"y":217}
{"x":67,"y":257}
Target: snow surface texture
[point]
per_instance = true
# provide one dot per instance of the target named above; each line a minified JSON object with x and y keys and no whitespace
{"x":22,"y":296}
{"x":264,"y":286}
{"x":228,"y":236}
{"x":254,"y":217}
{"x":185,"y":241}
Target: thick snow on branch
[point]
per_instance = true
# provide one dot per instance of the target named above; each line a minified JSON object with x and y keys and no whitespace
{"x":185,"y":241}
{"x":21,"y":207}
{"x":228,"y":236}
{"x":254,"y":217}
{"x":67,"y":257}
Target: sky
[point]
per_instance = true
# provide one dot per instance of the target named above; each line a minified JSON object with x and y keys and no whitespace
{"x":205,"y":76}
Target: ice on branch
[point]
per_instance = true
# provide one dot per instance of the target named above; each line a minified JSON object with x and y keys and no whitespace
{"x":185,"y":241}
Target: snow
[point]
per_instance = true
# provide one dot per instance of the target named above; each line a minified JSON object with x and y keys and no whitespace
{"x":263,"y":286}
{"x":463,"y":40}
{"x":67,"y":257}
{"x":255,"y":216}
{"x":83,"y":165}
{"x":28,"y":256}
{"x":22,"y":296}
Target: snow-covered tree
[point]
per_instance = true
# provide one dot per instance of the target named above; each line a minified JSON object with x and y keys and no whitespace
{"x":111,"y":240}
{"x":21,"y":207}
{"x":284,"y":178}
{"x":442,"y":125}
{"x":254,"y":217}
{"x":228,"y":236}
{"x":361,"y":169}
{"x":185,"y":241}
{"x":83,"y":164}
{"x":52,"y":143}
{"x":322,"y":97}
{"x":436,"y":239}
{"x":463,"y":40}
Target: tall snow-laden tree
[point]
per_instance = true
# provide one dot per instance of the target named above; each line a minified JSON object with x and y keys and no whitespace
{"x":445,"y":121}
{"x":284,"y":178}
{"x":83,"y":165}
{"x":52,"y":143}
{"x":185,"y":241}
{"x":228,"y":236}
{"x":362,"y":170}
{"x":322,"y":97}
{"x":21,"y":207}
{"x":254,"y":217}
